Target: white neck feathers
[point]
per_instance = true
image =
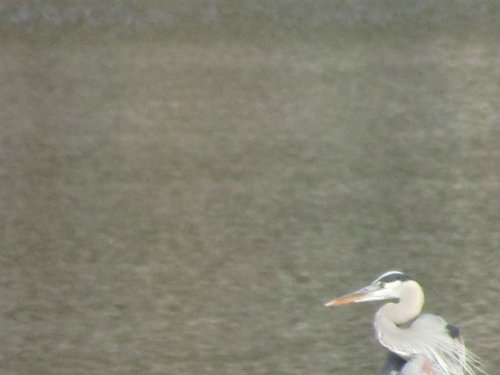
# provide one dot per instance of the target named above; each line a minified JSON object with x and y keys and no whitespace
{"x":389,"y":316}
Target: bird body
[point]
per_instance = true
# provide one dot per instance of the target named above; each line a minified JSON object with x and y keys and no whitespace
{"x":419,"y":344}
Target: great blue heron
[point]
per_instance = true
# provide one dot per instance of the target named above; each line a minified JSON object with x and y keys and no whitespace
{"x":418,"y":344}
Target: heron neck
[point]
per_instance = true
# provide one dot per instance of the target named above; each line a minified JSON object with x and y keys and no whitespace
{"x":391,"y":315}
{"x":411,"y":300}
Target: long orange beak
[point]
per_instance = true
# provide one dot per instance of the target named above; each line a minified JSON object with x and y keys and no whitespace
{"x":344,"y":300}
{"x":361,"y":295}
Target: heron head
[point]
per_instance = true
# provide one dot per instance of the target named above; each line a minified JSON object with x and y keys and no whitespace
{"x":385,"y":287}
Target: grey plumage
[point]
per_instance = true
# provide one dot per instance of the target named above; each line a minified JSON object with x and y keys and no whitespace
{"x":427,"y":345}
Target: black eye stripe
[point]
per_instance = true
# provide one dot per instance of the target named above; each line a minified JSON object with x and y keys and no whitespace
{"x":394,"y":276}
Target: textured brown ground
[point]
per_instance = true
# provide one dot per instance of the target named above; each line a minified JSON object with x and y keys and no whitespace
{"x":182,"y":186}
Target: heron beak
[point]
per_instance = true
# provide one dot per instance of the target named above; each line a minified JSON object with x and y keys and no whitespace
{"x":362,"y":295}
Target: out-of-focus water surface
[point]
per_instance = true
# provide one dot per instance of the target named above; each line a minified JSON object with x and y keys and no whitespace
{"x":184,"y":184}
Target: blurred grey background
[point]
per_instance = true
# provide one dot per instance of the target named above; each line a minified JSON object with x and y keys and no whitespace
{"x":183,"y":184}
